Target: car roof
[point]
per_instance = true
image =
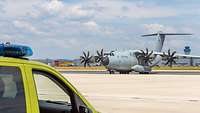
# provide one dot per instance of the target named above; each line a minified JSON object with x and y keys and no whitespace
{"x":21,"y":61}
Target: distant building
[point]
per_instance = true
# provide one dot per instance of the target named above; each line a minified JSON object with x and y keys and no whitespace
{"x":63,"y":63}
{"x":57,"y":62}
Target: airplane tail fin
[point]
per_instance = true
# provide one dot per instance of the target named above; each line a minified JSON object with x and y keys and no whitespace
{"x":161,"y":39}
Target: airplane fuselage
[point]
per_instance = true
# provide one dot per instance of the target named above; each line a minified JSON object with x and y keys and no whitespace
{"x":122,"y":61}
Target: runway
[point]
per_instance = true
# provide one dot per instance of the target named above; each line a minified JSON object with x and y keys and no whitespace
{"x":161,"y":72}
{"x":152,"y":93}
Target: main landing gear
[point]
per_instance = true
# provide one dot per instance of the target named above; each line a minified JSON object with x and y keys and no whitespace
{"x":111,"y":71}
{"x":143,"y":72}
{"x":124,"y":72}
{"x":120,"y":72}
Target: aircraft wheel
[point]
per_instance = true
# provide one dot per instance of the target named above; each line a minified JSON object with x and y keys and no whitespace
{"x":126,"y":72}
{"x":111,"y":72}
{"x":143,"y":72}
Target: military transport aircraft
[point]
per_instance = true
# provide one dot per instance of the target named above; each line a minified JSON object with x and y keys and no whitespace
{"x":136,"y":60}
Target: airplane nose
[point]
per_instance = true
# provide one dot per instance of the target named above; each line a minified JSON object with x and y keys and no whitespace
{"x":105,"y":61}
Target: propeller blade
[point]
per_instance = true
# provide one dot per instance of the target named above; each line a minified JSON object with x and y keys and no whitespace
{"x":173,"y":53}
{"x":170,"y":57}
{"x":98,"y":53}
{"x":143,"y":53}
{"x":82,"y":61}
{"x":86,"y":59}
{"x":84,"y":54}
{"x":88,"y":54}
{"x":81,"y":57}
{"x":150,"y":54}
{"x":90,"y":58}
{"x":150,"y":62}
{"x":174,"y":62}
{"x":101,"y":52}
{"x":167,"y":62}
{"x":147,"y":51}
{"x":144,"y":57}
{"x":163,"y":55}
{"x":99,"y":56}
{"x":169,"y":52}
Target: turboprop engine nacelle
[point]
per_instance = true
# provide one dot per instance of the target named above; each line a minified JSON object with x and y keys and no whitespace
{"x":140,"y":68}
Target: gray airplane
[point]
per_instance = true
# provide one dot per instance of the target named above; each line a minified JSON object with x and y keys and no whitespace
{"x":136,"y":60}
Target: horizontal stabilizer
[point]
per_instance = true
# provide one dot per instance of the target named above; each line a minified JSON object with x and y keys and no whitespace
{"x":161,"y":38}
{"x":156,"y":34}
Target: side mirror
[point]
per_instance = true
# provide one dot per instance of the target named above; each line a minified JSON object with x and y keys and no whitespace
{"x":83,"y":109}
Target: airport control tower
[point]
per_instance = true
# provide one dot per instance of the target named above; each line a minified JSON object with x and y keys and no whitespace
{"x":187,"y":51}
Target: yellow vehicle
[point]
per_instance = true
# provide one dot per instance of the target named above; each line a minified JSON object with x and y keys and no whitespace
{"x":32,"y":87}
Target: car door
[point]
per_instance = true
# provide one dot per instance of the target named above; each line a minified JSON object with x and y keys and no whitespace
{"x":14,"y":93}
{"x":54,"y":94}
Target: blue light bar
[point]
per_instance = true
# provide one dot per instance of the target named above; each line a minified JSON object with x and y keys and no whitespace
{"x":17,"y":51}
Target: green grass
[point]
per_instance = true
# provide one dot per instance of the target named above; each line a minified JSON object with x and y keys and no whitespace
{"x":177,"y":68}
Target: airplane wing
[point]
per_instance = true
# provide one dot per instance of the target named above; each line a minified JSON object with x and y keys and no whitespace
{"x":178,"y":55}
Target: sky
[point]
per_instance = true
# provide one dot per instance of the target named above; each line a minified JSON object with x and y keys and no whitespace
{"x":64,"y":28}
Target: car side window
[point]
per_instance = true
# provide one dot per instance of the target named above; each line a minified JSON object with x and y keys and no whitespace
{"x":12,"y":97}
{"x":52,"y":96}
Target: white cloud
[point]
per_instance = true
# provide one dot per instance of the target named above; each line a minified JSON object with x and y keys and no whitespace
{"x":128,"y":9}
{"x":152,"y":28}
{"x":19,"y":8}
{"x":89,"y":9}
{"x":26,"y":26}
{"x":67,"y":12}
{"x":78,"y":10}
{"x":54,"y":6}
{"x":91,"y":25}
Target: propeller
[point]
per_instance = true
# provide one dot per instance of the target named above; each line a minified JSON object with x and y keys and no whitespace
{"x":144,"y":57}
{"x":170,"y":57}
{"x":86,"y":59}
{"x":99,"y":56}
